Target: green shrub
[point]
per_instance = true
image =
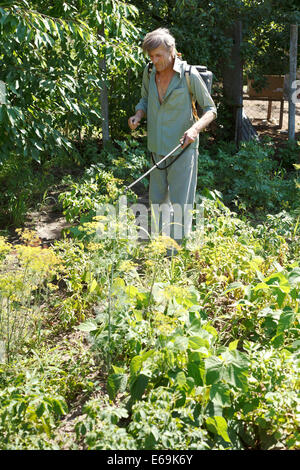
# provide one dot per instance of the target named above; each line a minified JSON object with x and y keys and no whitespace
{"x":95,"y":187}
{"x":250,"y":175}
{"x":29,"y":413}
{"x":104,"y":181}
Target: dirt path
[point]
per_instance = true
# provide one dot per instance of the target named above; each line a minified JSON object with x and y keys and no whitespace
{"x":48,"y":223}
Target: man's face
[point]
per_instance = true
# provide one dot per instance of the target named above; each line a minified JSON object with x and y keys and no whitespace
{"x":161,"y":58}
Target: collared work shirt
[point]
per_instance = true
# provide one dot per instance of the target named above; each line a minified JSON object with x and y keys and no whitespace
{"x":167,"y":122}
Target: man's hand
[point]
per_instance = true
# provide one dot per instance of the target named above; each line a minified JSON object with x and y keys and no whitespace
{"x":135,"y":120}
{"x":191,"y":134}
{"x":188,"y":137}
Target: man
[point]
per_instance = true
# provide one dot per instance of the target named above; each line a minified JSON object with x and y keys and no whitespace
{"x":166,"y":101}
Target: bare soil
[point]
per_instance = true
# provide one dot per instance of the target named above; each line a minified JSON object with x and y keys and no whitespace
{"x":257,"y":112}
{"x":48,"y":224}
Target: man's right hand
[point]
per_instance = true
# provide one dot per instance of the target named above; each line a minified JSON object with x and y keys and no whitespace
{"x":133,"y":122}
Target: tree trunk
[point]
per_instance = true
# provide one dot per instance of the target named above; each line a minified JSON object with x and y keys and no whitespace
{"x":104,"y":96}
{"x":232,"y":71}
{"x":292,"y":79}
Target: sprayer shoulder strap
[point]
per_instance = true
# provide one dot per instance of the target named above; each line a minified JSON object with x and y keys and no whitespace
{"x":187,"y":74}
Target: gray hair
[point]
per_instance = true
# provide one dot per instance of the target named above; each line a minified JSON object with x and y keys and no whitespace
{"x":159,"y":37}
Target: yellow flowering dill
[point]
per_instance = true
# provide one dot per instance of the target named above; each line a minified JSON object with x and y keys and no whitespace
{"x":89,"y":228}
{"x":164,"y":323}
{"x":126,"y":266}
{"x":92,"y":246}
{"x":52,"y":287}
{"x":160,"y":244}
{"x":12,"y":285}
{"x":149,"y":263}
{"x":176,"y":292}
{"x":5,"y":247}
{"x":37,"y":259}
{"x":101,"y":227}
{"x":98,"y":218}
{"x":29,"y":237}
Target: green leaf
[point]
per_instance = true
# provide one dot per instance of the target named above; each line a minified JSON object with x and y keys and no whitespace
{"x":236,"y":369}
{"x":196,"y":342}
{"x":286,"y":320}
{"x":294,"y":276}
{"x":195,"y":326}
{"x":181,"y":399}
{"x":281,"y":295}
{"x":116,"y":383}
{"x":233,"y":286}
{"x":59,"y":406}
{"x":196,"y":370}
{"x":93,"y":285}
{"x":138,"y":386}
{"x":211,"y":330}
{"x":220,"y":394}
{"x":218,"y":425}
{"x":88,"y":325}
{"x":2,"y":111}
{"x":213,"y":368}
{"x":40,"y":409}
{"x":131,"y":291}
{"x":233,"y":345}
{"x":180,"y":379}
{"x":231,"y":366}
{"x":12,"y":116}
{"x":22,"y":407}
{"x":136,"y":365}
{"x":118,"y":285}
{"x":181,"y":343}
{"x":278,"y":340}
{"x":118,"y":370}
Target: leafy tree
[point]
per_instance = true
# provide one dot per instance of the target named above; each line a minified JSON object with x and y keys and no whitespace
{"x":201,"y":30}
{"x":45,"y":89}
{"x":49,"y":57}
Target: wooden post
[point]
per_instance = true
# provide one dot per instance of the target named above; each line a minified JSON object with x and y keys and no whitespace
{"x":281,"y":114}
{"x":269,"y":110}
{"x":293,"y":71}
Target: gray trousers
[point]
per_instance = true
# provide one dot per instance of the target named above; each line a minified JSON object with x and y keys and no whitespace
{"x":172,"y":195}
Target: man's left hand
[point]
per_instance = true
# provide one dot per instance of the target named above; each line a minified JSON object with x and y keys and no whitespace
{"x":188,"y":137}
{"x":191,"y":134}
